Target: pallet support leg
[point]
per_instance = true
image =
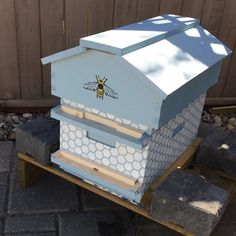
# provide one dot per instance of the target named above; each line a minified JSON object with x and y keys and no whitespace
{"x":29,"y":173}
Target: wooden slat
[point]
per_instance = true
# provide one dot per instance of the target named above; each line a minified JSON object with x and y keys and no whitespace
{"x":227,"y":33}
{"x":104,"y":121}
{"x":224,"y":109}
{"x":192,"y":8}
{"x":220,"y":101}
{"x":136,"y":208}
{"x":9,"y":71}
{"x":29,"y":48}
{"x":124,"y":12}
{"x":170,"y":7}
{"x":147,"y":9}
{"x":52,"y":35}
{"x":76,"y":21}
{"x":100,"y":15}
{"x":94,"y":167}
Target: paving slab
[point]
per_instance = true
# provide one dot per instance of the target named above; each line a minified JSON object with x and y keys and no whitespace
{"x":3,"y":179}
{"x":30,"y":223}
{"x":96,"y":223}
{"x":50,"y":194}
{"x":92,"y":201}
{"x":2,"y":200}
{"x":6,"y":148}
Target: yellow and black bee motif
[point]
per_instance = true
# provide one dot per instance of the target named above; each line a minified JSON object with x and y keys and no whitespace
{"x":101,"y":88}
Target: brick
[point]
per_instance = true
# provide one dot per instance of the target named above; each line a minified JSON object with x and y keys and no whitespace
{"x":50,"y":194}
{"x":212,"y":155}
{"x":39,"y":138}
{"x":6,"y":148}
{"x":92,"y":201}
{"x":189,"y":201}
{"x":32,"y":223}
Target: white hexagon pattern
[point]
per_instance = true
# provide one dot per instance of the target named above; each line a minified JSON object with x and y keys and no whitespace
{"x":162,"y":149}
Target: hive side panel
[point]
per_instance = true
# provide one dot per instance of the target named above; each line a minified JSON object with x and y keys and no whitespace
{"x":168,"y":143}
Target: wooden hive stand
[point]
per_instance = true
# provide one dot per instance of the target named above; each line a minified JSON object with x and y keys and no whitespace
{"x":30,"y":171}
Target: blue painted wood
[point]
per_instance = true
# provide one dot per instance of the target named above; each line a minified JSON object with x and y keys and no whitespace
{"x":100,"y":132}
{"x":126,"y":39}
{"x":126,"y":193}
{"x":63,"y":54}
{"x":181,"y":98}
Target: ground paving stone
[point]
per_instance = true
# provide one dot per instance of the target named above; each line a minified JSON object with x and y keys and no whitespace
{"x":30,"y":224}
{"x":96,"y":223}
{"x":92,"y":201}
{"x":2,"y":200}
{"x":3,"y":179}
{"x":6,"y":149}
{"x":50,"y":194}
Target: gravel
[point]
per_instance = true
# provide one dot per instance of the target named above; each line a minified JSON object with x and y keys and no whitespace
{"x":10,"y":121}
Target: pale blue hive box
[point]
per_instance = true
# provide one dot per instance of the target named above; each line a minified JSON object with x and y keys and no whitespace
{"x":151,"y":76}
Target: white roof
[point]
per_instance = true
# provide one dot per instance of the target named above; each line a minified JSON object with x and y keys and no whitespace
{"x":172,"y":62}
{"x":131,"y":37}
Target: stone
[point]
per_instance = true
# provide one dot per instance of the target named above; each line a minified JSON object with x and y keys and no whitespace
{"x":2,"y":124}
{"x":27,"y":115}
{"x":218,"y":151}
{"x":50,"y":194}
{"x":15,"y":119}
{"x":94,"y":223}
{"x":217,"y":119}
{"x":232,"y":121}
{"x":1,"y":135}
{"x":32,"y":223}
{"x":6,"y":148}
{"x":38,"y":138}
{"x":230,"y":127}
{"x":190,"y":201}
{"x":92,"y":201}
{"x":12,"y":136}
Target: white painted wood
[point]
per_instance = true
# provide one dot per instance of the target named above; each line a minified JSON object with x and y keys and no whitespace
{"x":134,"y":36}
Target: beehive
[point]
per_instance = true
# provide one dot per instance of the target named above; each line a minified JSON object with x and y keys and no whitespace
{"x":131,"y":100}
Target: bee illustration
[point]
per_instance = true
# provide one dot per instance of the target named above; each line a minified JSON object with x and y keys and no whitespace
{"x":101,"y":88}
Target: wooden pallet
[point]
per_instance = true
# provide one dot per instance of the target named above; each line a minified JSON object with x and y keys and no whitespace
{"x":30,"y":171}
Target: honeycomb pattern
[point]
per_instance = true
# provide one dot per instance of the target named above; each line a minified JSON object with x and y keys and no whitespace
{"x":122,"y":158}
{"x":161,"y":150}
{"x":106,"y":115}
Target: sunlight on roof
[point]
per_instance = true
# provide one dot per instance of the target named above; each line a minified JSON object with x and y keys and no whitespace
{"x":193,"y":33}
{"x":218,"y":49}
{"x":160,"y":22}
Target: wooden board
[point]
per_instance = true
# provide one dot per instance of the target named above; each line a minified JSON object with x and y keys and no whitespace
{"x":113,"y":124}
{"x":147,"y":9}
{"x":76,"y":21}
{"x":52,"y":35}
{"x":192,"y":8}
{"x":29,"y":48}
{"x":96,"y":168}
{"x":170,"y":7}
{"x":124,"y":12}
{"x":100,"y":14}
{"x":9,"y":71}
{"x":224,"y":109}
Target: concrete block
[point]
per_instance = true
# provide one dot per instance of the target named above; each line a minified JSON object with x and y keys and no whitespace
{"x":218,"y":151}
{"x":39,"y":138}
{"x":189,"y":201}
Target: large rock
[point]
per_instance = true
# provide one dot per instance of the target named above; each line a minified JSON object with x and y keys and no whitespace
{"x":218,"y":151}
{"x":189,"y":201}
{"x":39,"y":138}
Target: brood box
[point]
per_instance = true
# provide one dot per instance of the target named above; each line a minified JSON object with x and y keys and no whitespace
{"x":131,"y":100}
